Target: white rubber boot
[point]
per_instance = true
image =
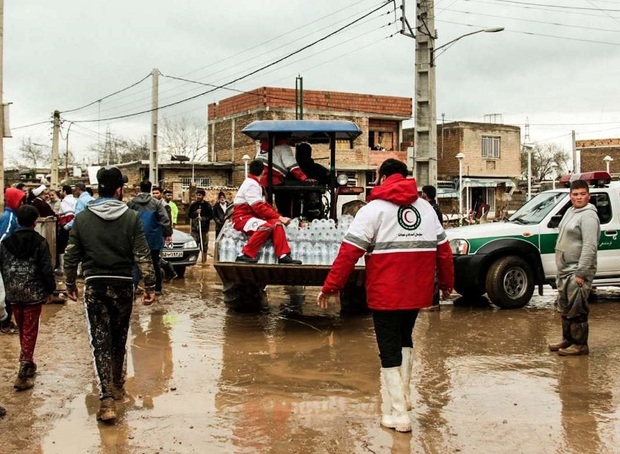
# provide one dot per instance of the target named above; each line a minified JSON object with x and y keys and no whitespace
{"x":397,"y":417}
{"x":405,"y":372}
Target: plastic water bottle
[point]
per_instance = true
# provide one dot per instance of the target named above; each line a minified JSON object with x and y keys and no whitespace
{"x":227,"y":250}
{"x":322,"y":253}
{"x":270,"y":255}
{"x":333,"y":252}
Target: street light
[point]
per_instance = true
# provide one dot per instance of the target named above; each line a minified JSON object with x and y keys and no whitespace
{"x":449,"y":43}
{"x":607,"y":160}
{"x":246,"y":159}
{"x":467,"y":181}
{"x":460,"y":157}
{"x":529,"y":148}
{"x":423,"y":157}
{"x":553,"y":165}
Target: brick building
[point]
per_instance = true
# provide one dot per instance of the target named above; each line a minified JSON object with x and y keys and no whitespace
{"x":593,"y":151}
{"x":379,"y":117}
{"x":491,"y":164}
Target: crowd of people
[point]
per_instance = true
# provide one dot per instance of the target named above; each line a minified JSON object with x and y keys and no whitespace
{"x":117,"y":244}
{"x":111,"y":244}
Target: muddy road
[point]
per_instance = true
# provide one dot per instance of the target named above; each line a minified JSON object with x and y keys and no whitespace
{"x":201,"y":379}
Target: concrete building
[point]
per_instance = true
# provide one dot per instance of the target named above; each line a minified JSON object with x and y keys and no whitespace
{"x":379,"y":117}
{"x":593,"y":151}
{"x":491,"y":163}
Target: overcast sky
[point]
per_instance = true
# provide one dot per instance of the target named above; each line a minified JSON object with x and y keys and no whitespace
{"x":557,"y":63}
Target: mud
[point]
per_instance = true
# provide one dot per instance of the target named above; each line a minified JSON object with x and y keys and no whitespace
{"x":297,"y":379}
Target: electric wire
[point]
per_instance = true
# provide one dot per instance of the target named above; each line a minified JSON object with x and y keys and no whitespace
{"x":108,"y":96}
{"x":279,"y":60}
{"x":563,"y":7}
{"x":539,"y":8}
{"x":235,"y":67}
{"x":535,"y":34}
{"x":581,"y":27}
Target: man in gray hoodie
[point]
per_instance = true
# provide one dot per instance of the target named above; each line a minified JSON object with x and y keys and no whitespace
{"x":575,"y":258}
{"x":108,"y":239}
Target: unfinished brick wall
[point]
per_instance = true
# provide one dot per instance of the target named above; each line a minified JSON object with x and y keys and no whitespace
{"x":594,"y":150}
{"x":284,"y":98}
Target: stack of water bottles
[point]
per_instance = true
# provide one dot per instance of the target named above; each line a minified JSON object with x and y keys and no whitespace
{"x":314,"y":243}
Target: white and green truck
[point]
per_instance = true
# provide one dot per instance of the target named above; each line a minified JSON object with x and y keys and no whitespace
{"x":506,"y":260}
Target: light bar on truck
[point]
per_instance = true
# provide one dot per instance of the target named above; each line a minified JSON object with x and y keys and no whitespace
{"x":597,"y":179}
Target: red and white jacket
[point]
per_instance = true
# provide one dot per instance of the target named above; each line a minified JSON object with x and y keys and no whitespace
{"x":283,"y":162}
{"x":404,"y":245}
{"x":249,"y":206}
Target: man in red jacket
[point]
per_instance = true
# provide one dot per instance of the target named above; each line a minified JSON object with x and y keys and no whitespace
{"x":404,"y":245}
{"x":254,"y":216}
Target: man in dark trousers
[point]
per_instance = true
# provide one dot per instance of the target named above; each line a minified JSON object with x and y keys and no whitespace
{"x":200,"y":215}
{"x":157,"y":228}
{"x":429,"y":193}
{"x":219,"y":212}
{"x":404,"y":244}
{"x":107,"y":237}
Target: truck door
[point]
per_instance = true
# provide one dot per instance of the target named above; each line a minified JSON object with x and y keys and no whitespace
{"x":609,"y":240}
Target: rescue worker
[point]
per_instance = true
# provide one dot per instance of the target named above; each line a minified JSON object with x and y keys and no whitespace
{"x":404,"y":244}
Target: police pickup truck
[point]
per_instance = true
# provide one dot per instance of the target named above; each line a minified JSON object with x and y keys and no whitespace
{"x":507,"y":259}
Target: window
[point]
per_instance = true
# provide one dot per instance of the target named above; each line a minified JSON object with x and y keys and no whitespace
{"x":603,"y":206}
{"x":490,"y":147}
{"x":200,"y":182}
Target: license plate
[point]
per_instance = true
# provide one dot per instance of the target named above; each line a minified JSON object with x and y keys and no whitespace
{"x":171,"y":254}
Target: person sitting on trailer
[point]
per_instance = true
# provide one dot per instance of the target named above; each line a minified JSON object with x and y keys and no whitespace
{"x":283,"y":164}
{"x":257,"y":218}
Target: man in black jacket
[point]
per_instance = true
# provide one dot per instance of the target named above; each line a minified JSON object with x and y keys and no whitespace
{"x":200,"y":215}
{"x":108,"y":239}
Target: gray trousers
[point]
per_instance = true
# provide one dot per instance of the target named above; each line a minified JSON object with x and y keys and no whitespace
{"x":572,"y":301}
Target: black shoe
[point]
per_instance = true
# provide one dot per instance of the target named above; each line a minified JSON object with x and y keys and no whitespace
{"x":288,"y":260}
{"x":246,"y":259}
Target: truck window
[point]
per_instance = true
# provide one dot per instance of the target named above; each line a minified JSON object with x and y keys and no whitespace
{"x":603,"y":206}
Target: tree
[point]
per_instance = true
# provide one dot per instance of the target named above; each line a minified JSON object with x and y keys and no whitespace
{"x":117,"y":149}
{"x":35,"y":153}
{"x":543,"y":155}
{"x":185,"y":136}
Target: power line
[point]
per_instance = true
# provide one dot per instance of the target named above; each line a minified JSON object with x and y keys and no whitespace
{"x":536,"y":34}
{"x":32,"y":124}
{"x":535,"y":21}
{"x":108,"y":96}
{"x":540,"y":8}
{"x":578,"y":8}
{"x":289,"y":42}
{"x":329,"y":35}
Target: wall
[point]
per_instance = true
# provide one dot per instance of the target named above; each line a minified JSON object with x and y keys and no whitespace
{"x":593,"y":152}
{"x":466,"y":138}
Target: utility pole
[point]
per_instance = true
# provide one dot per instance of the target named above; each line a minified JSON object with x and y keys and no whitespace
{"x":153,"y":176}
{"x":55,"y":145}
{"x":67,"y":154}
{"x":424,"y":158}
{"x":1,"y":103}
{"x":576,"y":159}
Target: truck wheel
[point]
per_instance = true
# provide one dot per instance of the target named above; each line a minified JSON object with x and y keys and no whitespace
{"x":469,"y":292}
{"x":245,"y":297}
{"x":510,"y":283}
{"x":353,"y":300}
{"x":180,"y":270}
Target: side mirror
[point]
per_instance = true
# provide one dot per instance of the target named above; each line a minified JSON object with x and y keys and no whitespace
{"x":555,"y":221}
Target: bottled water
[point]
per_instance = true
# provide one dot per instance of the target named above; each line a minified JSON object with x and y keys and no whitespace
{"x":322,"y":254}
{"x":227,"y":250}
{"x":333,"y":252}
